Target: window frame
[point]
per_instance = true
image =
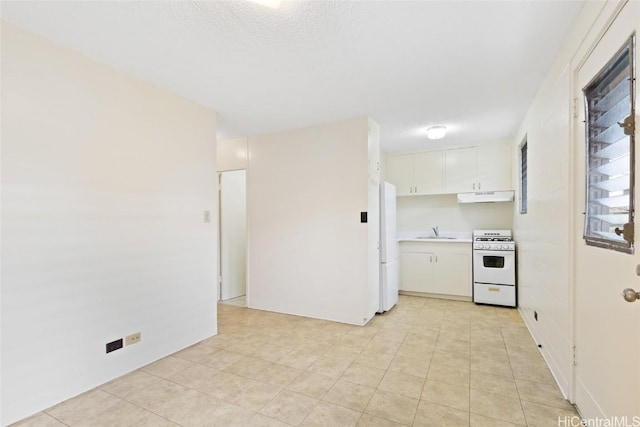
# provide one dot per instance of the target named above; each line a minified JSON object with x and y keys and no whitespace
{"x":523,"y":148}
{"x":603,"y":242}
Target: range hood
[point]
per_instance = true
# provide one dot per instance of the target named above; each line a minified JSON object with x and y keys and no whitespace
{"x":486,"y":197}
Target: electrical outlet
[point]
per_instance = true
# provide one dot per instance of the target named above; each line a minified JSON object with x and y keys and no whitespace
{"x":133,"y":338}
{"x":114,"y":345}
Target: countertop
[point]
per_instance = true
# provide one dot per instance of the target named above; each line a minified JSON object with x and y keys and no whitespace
{"x":429,"y":236}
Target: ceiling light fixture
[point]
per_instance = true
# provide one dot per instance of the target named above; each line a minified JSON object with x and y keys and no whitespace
{"x":436,"y":132}
{"x":273,"y":4}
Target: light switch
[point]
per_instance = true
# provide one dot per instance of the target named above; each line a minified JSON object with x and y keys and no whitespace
{"x":207,"y":216}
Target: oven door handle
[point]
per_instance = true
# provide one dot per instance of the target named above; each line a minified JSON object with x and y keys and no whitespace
{"x":494,"y":253}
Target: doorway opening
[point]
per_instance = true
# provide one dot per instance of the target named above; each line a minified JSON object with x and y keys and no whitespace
{"x":233,"y":237}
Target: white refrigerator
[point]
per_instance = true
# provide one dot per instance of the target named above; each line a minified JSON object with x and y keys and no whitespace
{"x":389,"y":249}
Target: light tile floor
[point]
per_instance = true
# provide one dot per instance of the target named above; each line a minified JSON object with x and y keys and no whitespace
{"x":427,"y":362}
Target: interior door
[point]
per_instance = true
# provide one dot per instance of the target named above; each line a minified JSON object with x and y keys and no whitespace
{"x":607,"y":328}
{"x":233,"y":234}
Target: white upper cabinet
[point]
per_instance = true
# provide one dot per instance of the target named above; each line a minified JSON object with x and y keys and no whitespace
{"x":494,"y":168}
{"x":456,"y":170}
{"x":481,"y":168}
{"x":427,"y":173}
{"x":460,"y":170}
{"x":400,"y":173}
{"x":416,"y":174}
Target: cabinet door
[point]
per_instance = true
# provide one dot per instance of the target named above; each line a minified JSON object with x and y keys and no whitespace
{"x":427,"y":172}
{"x":400,"y":173}
{"x":460,"y":170}
{"x":416,"y":271}
{"x":494,"y":167}
{"x":452,"y":274}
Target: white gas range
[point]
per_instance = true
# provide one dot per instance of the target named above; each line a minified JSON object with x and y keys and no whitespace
{"x":494,"y":267}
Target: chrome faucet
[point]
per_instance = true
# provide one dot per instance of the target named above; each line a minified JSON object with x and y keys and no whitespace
{"x":436,"y":231}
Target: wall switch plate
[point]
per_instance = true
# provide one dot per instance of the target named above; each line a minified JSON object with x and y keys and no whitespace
{"x":363,"y":217}
{"x":133,"y":338}
{"x":114,"y":345}
{"x":207,"y":216}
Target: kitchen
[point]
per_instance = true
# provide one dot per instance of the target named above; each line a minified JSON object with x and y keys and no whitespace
{"x":126,"y":241}
{"x":449,"y":197}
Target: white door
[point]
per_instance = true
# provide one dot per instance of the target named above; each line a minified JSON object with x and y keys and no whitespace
{"x":607,"y":329}
{"x":233,"y":234}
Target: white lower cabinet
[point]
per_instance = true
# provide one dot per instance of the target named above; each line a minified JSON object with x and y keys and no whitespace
{"x":436,"y":268}
{"x":452,"y":273}
{"x":416,"y":272}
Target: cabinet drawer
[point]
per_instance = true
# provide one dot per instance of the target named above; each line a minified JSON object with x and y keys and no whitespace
{"x":494,"y":294}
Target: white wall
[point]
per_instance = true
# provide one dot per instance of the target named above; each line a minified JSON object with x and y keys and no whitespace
{"x":544,"y":233}
{"x":421,"y":213}
{"x":104,"y":182}
{"x":307,"y":248}
{"x":232,"y":154}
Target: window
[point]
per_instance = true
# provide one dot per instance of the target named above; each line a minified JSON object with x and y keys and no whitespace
{"x":609,"y":100}
{"x":523,"y":177}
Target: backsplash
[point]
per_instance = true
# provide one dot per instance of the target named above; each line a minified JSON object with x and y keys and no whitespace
{"x":424,"y":212}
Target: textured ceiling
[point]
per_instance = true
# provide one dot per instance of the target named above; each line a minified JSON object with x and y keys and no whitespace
{"x":473,"y":66}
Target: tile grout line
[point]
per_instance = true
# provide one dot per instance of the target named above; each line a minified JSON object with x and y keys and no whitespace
{"x":58,"y":420}
{"x":141,"y":407}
